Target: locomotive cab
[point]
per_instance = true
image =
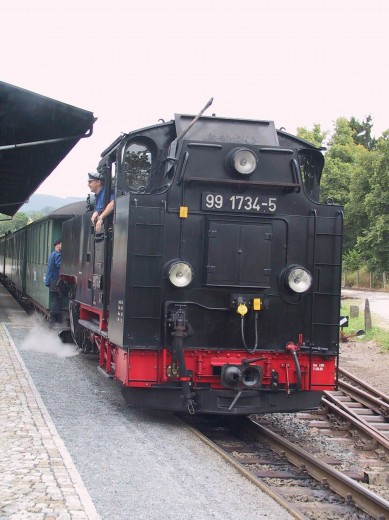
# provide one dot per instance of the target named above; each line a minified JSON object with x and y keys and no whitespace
{"x":220,"y":282}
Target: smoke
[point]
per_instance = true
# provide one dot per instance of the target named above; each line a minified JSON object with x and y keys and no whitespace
{"x":46,"y":341}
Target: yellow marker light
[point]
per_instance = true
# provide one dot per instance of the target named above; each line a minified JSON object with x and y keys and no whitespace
{"x":242,"y":309}
{"x":183,"y":211}
{"x":256,"y":304}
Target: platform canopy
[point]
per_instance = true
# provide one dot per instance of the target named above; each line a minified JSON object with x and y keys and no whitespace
{"x":36,"y":133}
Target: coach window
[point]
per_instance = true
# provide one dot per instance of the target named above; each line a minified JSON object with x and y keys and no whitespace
{"x":137,"y":166}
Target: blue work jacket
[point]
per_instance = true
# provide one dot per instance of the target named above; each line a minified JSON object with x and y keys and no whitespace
{"x":99,"y":200}
{"x":52,"y":273}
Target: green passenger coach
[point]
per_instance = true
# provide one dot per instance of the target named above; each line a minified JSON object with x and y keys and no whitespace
{"x":24,"y":254}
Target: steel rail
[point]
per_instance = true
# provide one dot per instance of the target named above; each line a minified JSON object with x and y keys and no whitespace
{"x":352,"y":491}
{"x":364,"y":393}
{"x":338,"y":408}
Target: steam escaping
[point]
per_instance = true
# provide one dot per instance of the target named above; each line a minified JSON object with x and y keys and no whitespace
{"x":46,"y":341}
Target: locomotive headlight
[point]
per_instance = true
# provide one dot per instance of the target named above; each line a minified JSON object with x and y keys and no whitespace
{"x":299,"y":279}
{"x":180,"y":274}
{"x":243,"y":161}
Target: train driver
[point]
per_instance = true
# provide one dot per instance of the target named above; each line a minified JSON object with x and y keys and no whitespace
{"x":96,"y":186}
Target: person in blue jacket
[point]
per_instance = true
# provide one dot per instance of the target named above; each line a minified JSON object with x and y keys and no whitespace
{"x":96,"y":185}
{"x":52,"y":277}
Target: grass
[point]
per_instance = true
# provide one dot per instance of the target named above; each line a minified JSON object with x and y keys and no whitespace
{"x":377,"y":334}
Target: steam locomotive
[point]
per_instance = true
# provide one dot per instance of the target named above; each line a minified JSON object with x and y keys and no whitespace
{"x":215,"y":286}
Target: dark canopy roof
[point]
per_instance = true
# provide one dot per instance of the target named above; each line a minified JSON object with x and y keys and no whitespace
{"x":27,"y":118}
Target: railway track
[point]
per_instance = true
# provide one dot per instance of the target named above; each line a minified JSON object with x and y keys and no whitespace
{"x":307,"y":487}
{"x":358,"y":407}
{"x":365,"y":394}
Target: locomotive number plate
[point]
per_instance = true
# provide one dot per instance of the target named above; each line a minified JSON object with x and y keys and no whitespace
{"x":239,"y":203}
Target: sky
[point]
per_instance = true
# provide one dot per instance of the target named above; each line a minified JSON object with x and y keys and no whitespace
{"x":132,"y":63}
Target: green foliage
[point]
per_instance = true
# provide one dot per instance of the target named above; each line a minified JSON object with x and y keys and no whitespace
{"x":374,"y":244}
{"x":316,"y":136}
{"x":362,"y":132}
{"x":18,"y":221}
{"x":352,"y":260}
{"x":341,"y":162}
{"x":356,"y":218}
{"x":356,"y":175}
{"x":373,"y":240}
{"x":344,"y":179}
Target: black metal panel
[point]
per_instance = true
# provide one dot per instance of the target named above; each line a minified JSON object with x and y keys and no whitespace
{"x":216,"y":129}
{"x":25,"y":118}
{"x":327,"y":264}
{"x":98,"y":271}
{"x":219,"y":401}
{"x":239,"y":254}
{"x":145,"y":272}
{"x":135,"y":302}
{"x":119,"y":272}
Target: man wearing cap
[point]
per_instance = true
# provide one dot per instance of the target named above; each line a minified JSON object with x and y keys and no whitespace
{"x":96,"y":185}
{"x":52,"y":276}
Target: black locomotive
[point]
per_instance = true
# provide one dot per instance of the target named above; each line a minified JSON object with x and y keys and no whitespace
{"x":215,"y":288}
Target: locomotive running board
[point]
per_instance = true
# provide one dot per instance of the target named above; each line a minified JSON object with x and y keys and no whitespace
{"x":94,"y":328}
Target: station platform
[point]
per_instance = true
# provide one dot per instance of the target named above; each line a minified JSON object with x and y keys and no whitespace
{"x":37,"y":476}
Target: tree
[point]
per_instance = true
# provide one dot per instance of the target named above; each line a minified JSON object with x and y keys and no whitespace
{"x":362,"y":132}
{"x":316,"y":136}
{"x":352,"y":260}
{"x":373,"y":242}
{"x":341,"y":161}
{"x":346,"y":179}
{"x":356,"y":217}
{"x":10,"y":225}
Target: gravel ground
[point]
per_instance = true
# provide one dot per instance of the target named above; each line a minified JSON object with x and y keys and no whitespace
{"x":367,"y":361}
{"x":135,"y":464}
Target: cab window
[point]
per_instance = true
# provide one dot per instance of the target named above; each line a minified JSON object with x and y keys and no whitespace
{"x":137,"y":166}
{"x":311,"y":166}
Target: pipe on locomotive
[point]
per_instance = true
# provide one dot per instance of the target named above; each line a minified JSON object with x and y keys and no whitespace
{"x":292,"y":348}
{"x":179,"y":332}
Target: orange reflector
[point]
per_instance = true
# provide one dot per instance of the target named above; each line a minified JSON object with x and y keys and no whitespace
{"x":257,"y":304}
{"x":183,"y":211}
